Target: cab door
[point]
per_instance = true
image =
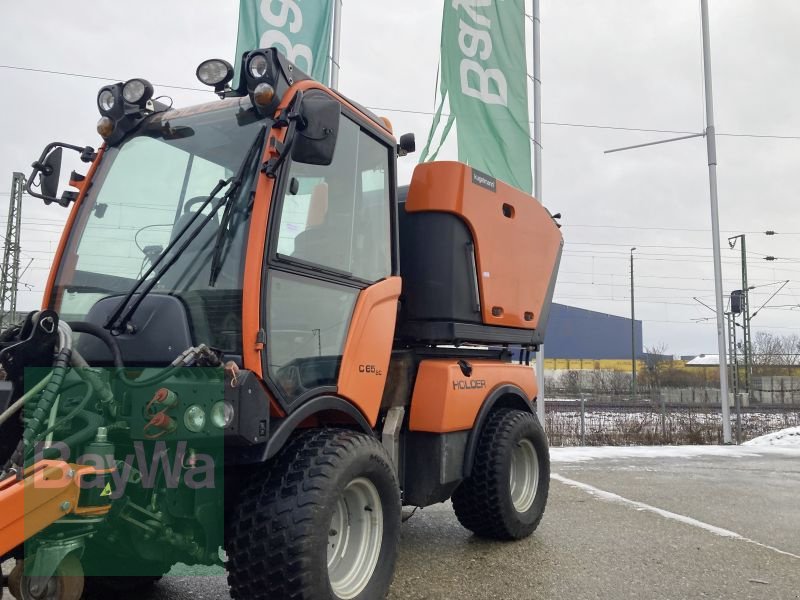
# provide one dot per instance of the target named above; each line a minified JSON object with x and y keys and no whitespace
{"x":331,"y":238}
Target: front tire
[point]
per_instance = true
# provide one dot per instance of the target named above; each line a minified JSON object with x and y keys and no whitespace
{"x":321,"y":521}
{"x":505,"y":495}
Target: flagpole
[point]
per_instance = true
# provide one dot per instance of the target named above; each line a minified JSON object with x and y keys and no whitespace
{"x":337,"y":40}
{"x":537,"y":174}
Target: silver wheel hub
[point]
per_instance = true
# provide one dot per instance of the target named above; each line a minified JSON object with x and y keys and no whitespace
{"x":354,"y":538}
{"x":524,"y":475}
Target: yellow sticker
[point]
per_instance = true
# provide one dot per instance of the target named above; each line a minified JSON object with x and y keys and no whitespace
{"x":106,"y":491}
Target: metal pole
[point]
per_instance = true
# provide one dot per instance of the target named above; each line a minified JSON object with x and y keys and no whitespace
{"x":9,"y":271}
{"x":746,"y":350}
{"x":633,"y":335}
{"x":337,"y":42}
{"x":711,"y":146}
{"x":537,"y":173}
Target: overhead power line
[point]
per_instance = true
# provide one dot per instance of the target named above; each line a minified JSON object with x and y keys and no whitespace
{"x":424,"y":112}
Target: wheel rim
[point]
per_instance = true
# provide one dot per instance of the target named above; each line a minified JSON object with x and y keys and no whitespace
{"x":524,"y":476}
{"x":354,"y":538}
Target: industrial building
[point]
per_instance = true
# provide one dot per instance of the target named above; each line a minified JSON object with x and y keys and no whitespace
{"x":577,"y":333}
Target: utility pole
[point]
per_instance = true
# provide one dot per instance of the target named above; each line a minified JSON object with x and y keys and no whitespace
{"x":9,"y":271}
{"x":711,"y":148}
{"x":537,"y":174}
{"x":633,"y":335}
{"x":746,"y":343}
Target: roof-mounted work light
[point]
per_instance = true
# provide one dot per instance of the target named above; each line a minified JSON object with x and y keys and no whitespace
{"x":216,"y":73}
{"x":123,"y":106}
{"x":138,"y":92}
{"x":262,"y":71}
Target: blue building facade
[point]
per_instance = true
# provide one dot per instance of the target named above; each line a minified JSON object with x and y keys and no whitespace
{"x":580,"y":333}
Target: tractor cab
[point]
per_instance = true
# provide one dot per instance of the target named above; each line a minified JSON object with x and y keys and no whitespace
{"x":196,"y":223}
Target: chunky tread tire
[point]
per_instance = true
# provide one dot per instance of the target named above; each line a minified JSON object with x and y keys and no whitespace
{"x":482,"y":502}
{"x":277,"y":538}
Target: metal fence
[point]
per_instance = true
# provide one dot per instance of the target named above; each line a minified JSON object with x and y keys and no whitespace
{"x":593,"y":423}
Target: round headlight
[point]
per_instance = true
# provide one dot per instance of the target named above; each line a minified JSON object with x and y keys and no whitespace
{"x":258,"y":66}
{"x":263,"y":94}
{"x":137,"y":91}
{"x":106,"y":100}
{"x":194,"y":418}
{"x":105,"y":127}
{"x":222,"y":414}
{"x":215,"y":72}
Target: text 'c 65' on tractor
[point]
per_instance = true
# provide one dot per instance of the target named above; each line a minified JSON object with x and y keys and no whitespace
{"x":253,"y":340}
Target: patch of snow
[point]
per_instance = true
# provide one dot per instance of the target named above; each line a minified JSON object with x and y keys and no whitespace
{"x":785,"y":437}
{"x":587,"y":453}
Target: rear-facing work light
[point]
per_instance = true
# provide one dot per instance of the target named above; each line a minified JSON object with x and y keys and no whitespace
{"x":216,"y":73}
{"x":137,"y":91}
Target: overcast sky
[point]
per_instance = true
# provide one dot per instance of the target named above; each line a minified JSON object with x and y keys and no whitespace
{"x":617,"y":63}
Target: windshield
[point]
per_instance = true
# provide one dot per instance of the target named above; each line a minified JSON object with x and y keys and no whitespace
{"x":143,"y":195}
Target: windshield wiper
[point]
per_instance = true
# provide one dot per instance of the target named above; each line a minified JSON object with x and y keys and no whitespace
{"x":118,"y":322}
{"x":216,"y":260}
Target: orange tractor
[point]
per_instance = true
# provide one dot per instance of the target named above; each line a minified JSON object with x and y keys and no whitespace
{"x":253,"y":340}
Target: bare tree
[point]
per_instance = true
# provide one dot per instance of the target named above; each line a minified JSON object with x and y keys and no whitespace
{"x":773,"y":354}
{"x":656,"y":361}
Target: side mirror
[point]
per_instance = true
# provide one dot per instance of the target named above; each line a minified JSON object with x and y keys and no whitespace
{"x":51,"y":173}
{"x":46,"y":173}
{"x":407,"y":145}
{"x":315,"y":138}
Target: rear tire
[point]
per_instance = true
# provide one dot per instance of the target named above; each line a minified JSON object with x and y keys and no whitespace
{"x":505,"y":495}
{"x":321,"y":521}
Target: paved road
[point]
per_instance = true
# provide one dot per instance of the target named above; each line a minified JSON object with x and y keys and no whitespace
{"x":616,"y":527}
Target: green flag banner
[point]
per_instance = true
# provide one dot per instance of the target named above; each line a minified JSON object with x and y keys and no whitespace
{"x":484,"y":77}
{"x":300,"y":29}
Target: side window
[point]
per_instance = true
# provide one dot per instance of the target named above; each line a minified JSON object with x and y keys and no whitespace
{"x":339,"y":216}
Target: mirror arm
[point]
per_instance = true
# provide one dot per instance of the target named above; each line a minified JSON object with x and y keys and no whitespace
{"x":88,"y":155}
{"x":289,"y":117}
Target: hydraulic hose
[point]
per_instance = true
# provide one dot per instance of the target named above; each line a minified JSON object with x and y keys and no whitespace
{"x":42,"y":411}
{"x":103,"y":335}
{"x":71,"y":415}
{"x":48,"y":396}
{"x":109,"y":340}
{"x":93,"y":423}
{"x":25,"y":398}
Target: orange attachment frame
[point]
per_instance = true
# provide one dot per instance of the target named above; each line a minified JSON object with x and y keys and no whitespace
{"x":446,"y":400}
{"x":50,"y":490}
